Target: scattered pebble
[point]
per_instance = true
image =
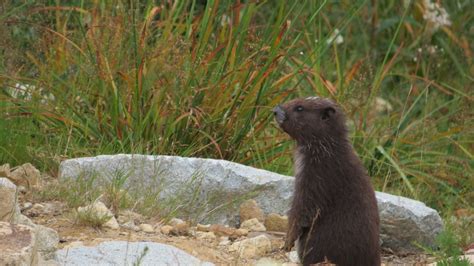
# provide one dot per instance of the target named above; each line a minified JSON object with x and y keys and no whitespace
{"x":252,"y":247}
{"x":166,"y":229}
{"x":203,"y":227}
{"x":130,"y":225}
{"x":206,"y":235}
{"x":147,"y":228}
{"x":253,"y":225}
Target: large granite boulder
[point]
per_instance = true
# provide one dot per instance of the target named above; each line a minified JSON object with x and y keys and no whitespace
{"x":212,"y":189}
{"x":127,"y":253}
{"x":405,"y":222}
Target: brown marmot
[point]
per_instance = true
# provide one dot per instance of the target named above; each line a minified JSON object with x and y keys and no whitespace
{"x":333,"y":215}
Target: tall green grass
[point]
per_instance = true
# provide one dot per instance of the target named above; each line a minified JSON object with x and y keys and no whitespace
{"x":199,"y":78}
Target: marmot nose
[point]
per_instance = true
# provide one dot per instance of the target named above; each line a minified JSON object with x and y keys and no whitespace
{"x":279,"y":114}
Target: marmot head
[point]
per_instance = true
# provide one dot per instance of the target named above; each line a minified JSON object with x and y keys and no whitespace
{"x":311,"y":119}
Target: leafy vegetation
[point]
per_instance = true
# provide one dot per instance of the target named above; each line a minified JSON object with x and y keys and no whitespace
{"x":199,"y":78}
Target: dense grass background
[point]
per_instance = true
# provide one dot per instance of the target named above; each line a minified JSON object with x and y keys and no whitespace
{"x":199,"y":78}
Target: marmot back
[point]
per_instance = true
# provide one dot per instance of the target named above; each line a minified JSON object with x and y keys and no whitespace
{"x":333,"y":215}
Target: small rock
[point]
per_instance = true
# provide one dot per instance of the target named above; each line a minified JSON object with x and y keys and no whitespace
{"x":210,"y":236}
{"x":253,"y":225}
{"x":52,"y":208}
{"x":176,"y":221}
{"x":293,"y":256}
{"x":127,"y":253}
{"x":220,"y":230}
{"x":249,"y":209}
{"x":130,"y":225}
{"x":203,"y":227}
{"x":382,"y":105}
{"x":26,"y":175}
{"x":26,"y":206}
{"x":252,"y":247}
{"x":128,"y":215}
{"x":22,"y":189}
{"x":166,"y":229}
{"x":47,"y":241}
{"x":147,"y":228}
{"x":225,"y":242}
{"x":112,"y":224}
{"x":22,"y":219}
{"x":8,"y":201}
{"x":241,"y":232}
{"x":181,"y":229}
{"x":276,"y":222}
{"x":99,"y":210}
{"x":35,"y":211}
{"x":5,"y":170}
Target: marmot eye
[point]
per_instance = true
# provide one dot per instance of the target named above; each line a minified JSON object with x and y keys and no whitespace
{"x":299,"y":108}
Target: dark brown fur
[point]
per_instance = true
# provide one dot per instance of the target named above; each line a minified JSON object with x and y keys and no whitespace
{"x":334,"y":213}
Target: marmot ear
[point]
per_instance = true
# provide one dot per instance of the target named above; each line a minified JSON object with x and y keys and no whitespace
{"x":327,"y":113}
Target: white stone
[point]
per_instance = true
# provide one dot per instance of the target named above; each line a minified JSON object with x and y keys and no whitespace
{"x":112,"y":224}
{"x":130,"y":225}
{"x":293,"y":256}
{"x":147,"y":228}
{"x":126,"y":253}
{"x":175,"y":221}
{"x":99,"y":210}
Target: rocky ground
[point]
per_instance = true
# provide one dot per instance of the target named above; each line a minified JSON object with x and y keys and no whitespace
{"x":257,"y":241}
{"x":216,"y":244}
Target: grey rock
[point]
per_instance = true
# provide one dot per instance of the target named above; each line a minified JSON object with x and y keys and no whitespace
{"x":48,"y":240}
{"x":177,"y":178}
{"x":405,"y":222}
{"x":223,"y":185}
{"x":293,"y":256}
{"x":9,"y":209}
{"x":130,"y":225}
{"x":126,"y":253}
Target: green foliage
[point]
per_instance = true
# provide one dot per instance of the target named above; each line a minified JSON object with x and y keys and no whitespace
{"x":82,"y":78}
{"x":449,"y":253}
